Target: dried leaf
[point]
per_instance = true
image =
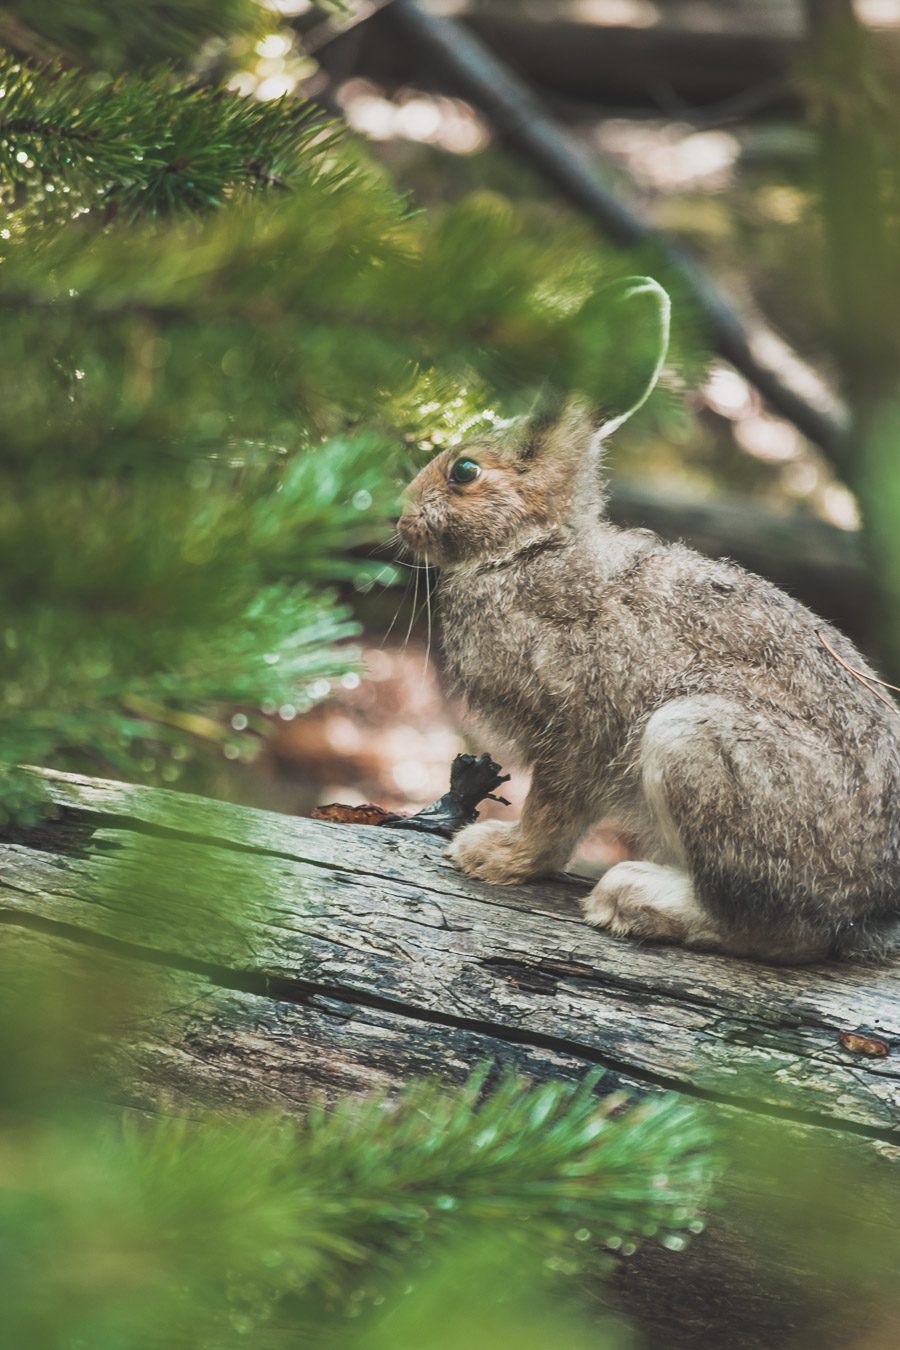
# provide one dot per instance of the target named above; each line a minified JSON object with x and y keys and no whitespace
{"x":471,"y":780}
{"x":366,"y":814}
{"x":858,"y":1044}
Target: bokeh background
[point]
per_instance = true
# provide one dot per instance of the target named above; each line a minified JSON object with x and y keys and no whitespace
{"x":702,"y":119}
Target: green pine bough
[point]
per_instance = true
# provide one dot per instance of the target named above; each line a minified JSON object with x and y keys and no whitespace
{"x":145,"y":145}
{"x":193,"y":1231}
{"x":104,"y":34}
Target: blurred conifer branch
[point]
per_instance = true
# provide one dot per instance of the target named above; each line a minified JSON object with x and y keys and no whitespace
{"x":217,"y":1225}
{"x":104,"y":34}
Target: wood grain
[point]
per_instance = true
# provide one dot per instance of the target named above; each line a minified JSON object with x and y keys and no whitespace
{"x":208,"y":957}
{"x":378,"y":920}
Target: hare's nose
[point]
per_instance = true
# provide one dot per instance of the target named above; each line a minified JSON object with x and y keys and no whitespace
{"x":409,"y":528}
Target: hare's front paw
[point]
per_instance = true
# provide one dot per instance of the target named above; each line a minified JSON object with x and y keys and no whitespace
{"x":491,"y":851}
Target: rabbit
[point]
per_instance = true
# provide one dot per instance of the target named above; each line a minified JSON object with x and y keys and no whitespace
{"x":693,"y":700}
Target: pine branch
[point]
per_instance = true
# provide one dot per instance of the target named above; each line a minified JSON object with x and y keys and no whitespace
{"x":217,"y":1222}
{"x":552,"y":1156}
{"x":336,"y":268}
{"x":107,"y":34}
{"x":147,"y":145}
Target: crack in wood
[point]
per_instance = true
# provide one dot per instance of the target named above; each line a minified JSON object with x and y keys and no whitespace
{"x":755,"y":1031}
{"x":305,"y":991}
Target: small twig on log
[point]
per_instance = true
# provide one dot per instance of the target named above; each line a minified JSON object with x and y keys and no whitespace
{"x":522,"y":122}
{"x":471,"y":781}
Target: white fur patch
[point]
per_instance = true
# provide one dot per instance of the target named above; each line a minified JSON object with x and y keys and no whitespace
{"x":673,"y":726}
{"x":641,"y":899}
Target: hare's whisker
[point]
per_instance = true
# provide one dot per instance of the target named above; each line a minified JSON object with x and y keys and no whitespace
{"x":396,"y":613}
{"x":391,"y":542}
{"x":428,"y":611}
{"x":412,"y":616}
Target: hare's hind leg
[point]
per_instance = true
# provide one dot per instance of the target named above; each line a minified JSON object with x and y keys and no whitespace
{"x":649,"y":900}
{"x":658,"y":899}
{"x":728,"y":797}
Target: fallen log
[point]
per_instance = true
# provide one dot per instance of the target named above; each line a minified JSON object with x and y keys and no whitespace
{"x":687,"y":64}
{"x":304,"y":960}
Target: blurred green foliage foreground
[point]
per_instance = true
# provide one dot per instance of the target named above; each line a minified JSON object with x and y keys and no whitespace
{"x":221,"y":331}
{"x":222,"y":334}
{"x":223,"y":1233}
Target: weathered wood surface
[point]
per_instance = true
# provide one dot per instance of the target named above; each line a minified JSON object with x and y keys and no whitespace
{"x":302,"y":961}
{"x":377,"y":919}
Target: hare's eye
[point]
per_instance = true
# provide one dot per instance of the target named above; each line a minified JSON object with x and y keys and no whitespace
{"x":465,"y":471}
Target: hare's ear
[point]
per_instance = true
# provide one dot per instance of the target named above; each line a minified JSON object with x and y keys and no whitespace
{"x":632,"y":318}
{"x":558,"y":424}
{"x":633,"y":315}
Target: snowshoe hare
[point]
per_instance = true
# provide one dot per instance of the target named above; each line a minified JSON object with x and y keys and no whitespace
{"x":692,"y":700}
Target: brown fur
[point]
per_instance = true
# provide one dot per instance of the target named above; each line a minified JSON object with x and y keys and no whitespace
{"x":689,"y":697}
